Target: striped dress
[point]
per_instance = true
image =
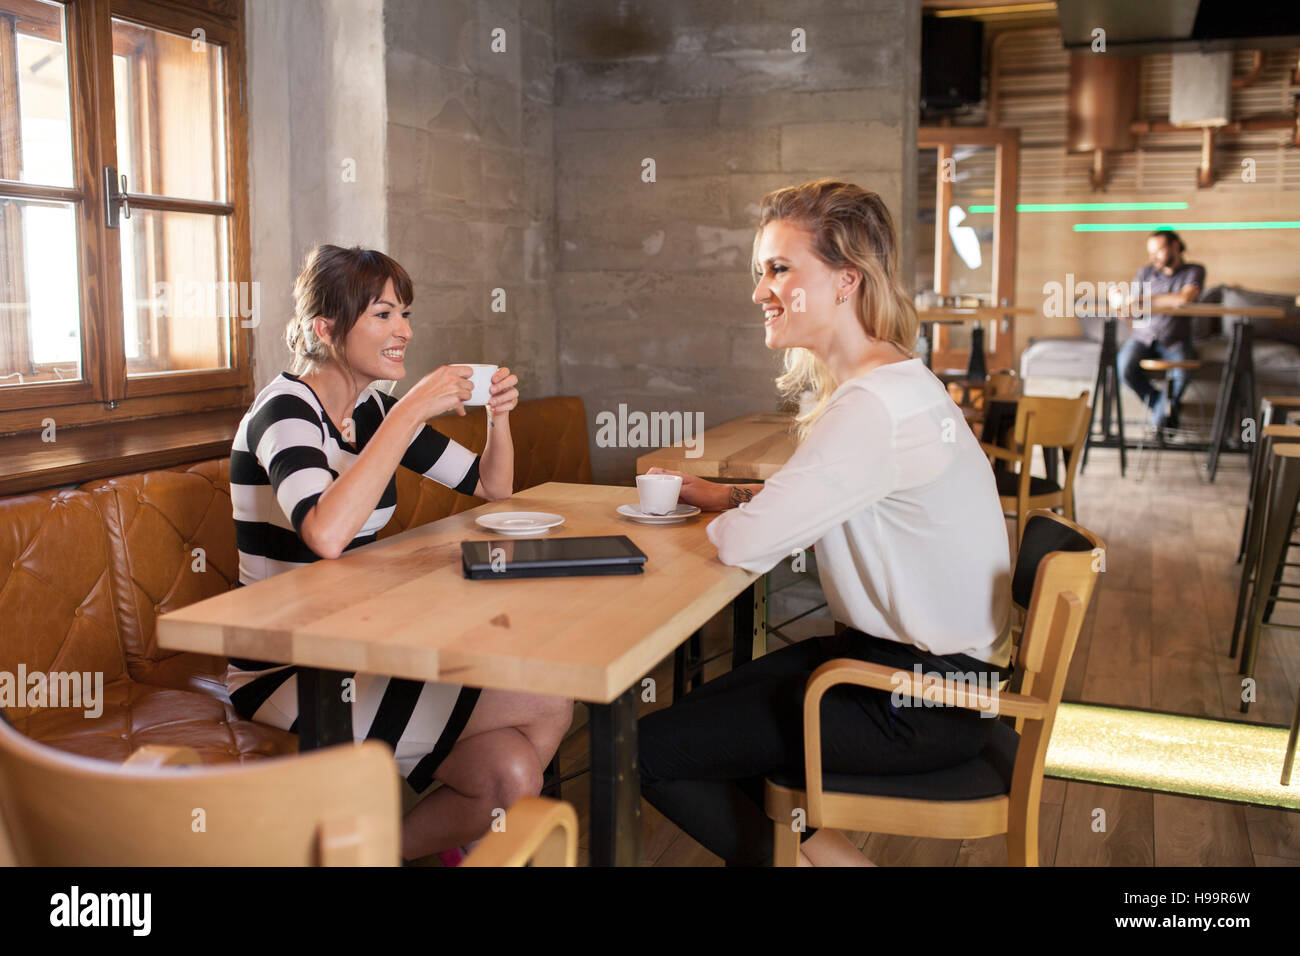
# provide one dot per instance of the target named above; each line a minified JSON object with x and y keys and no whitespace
{"x":285,"y":454}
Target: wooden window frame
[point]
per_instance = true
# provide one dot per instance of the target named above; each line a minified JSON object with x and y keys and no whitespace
{"x":106,"y":393}
{"x":1006,"y":179}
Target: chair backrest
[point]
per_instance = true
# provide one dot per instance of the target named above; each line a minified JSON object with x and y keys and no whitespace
{"x":171,"y":535}
{"x":550,"y":445}
{"x":1051,"y":422}
{"x":56,"y":596}
{"x":1045,"y":532}
{"x":1003,"y":383}
{"x":1063,"y":561}
{"x":332,"y":807}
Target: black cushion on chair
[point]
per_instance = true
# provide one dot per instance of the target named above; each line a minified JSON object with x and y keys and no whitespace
{"x":986,"y":775}
{"x":1042,"y":536}
{"x":1009,"y":484}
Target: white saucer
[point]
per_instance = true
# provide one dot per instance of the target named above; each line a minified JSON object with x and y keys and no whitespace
{"x":680,"y":514}
{"x":519,"y":522}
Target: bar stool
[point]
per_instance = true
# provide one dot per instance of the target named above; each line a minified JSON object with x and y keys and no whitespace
{"x":1268,"y":412}
{"x":1269,"y":437}
{"x":1168,"y":367}
{"x":1278,"y":522}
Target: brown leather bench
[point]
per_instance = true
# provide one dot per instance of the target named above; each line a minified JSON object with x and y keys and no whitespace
{"x":85,"y":573}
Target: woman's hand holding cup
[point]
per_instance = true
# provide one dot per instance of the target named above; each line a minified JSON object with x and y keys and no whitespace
{"x":446,"y":388}
{"x":705,"y":495}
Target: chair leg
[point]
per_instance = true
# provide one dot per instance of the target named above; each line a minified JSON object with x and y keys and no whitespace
{"x":1254,"y":537}
{"x":1276,"y":590}
{"x":1258,"y":457}
{"x":785,"y":844}
{"x":1289,"y":761}
{"x":1279,"y":520}
{"x":1022,"y":845}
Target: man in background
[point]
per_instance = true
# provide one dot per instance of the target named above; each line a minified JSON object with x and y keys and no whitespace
{"x":1170,"y":281}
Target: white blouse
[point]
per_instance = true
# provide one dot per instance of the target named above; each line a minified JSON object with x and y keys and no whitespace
{"x":893,"y":489}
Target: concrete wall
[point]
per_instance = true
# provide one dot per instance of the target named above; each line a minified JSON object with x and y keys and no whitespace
{"x":470,"y":188}
{"x":652,"y":292}
{"x":316,"y":100}
{"x":521,"y":171}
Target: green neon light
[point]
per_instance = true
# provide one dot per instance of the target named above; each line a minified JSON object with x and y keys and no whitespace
{"x":1182,"y":226}
{"x":1085,"y":206}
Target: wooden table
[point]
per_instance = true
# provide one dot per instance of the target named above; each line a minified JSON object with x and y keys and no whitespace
{"x":1236,"y":387}
{"x":402,"y":607}
{"x":753,"y":447}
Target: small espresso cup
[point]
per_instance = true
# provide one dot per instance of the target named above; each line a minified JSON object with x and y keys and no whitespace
{"x":481,"y":379}
{"x":658,"y":493}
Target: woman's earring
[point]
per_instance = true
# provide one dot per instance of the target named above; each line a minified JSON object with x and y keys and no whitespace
{"x":841,"y":300}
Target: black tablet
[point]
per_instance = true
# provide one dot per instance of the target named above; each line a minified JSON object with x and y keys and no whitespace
{"x":550,"y":557}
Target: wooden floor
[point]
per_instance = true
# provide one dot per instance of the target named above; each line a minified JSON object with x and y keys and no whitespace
{"x":1156,"y":637}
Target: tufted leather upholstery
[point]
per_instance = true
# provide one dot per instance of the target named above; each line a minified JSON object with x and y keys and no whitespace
{"x":138,"y":714}
{"x":63,"y":578}
{"x":550,"y":438}
{"x":56,"y":603}
{"x":85,"y":573}
{"x":172,"y":536}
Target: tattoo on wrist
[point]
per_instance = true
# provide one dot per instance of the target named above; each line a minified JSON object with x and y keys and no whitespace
{"x":738,"y":496}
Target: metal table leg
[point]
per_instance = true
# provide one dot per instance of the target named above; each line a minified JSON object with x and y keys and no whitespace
{"x":749,"y":623}
{"x":1236,"y":386}
{"x":324,"y":712}
{"x":615,"y":782}
{"x":1105,"y":394}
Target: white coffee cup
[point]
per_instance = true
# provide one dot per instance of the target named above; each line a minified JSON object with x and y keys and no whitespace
{"x":658,"y":493}
{"x":482,"y":382}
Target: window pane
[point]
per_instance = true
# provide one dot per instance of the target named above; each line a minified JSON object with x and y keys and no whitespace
{"x":40,"y":328}
{"x":35,"y":129}
{"x":969,"y":226}
{"x":168,"y":90}
{"x":176,"y":297}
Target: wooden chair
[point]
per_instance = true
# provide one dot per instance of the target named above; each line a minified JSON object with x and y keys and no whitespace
{"x":973,"y":396}
{"x":338,"y":806}
{"x":1273,"y":410}
{"x":997,"y":791}
{"x":1040,"y":423}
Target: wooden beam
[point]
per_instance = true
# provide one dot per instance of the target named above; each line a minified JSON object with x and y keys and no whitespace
{"x":942,"y":247}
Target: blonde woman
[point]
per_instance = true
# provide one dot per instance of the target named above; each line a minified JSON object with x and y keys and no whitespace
{"x":912,"y":550}
{"x":312,"y":475}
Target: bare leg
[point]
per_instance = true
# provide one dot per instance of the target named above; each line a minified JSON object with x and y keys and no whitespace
{"x":480,"y":775}
{"x":500,"y":757}
{"x":831,"y":848}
